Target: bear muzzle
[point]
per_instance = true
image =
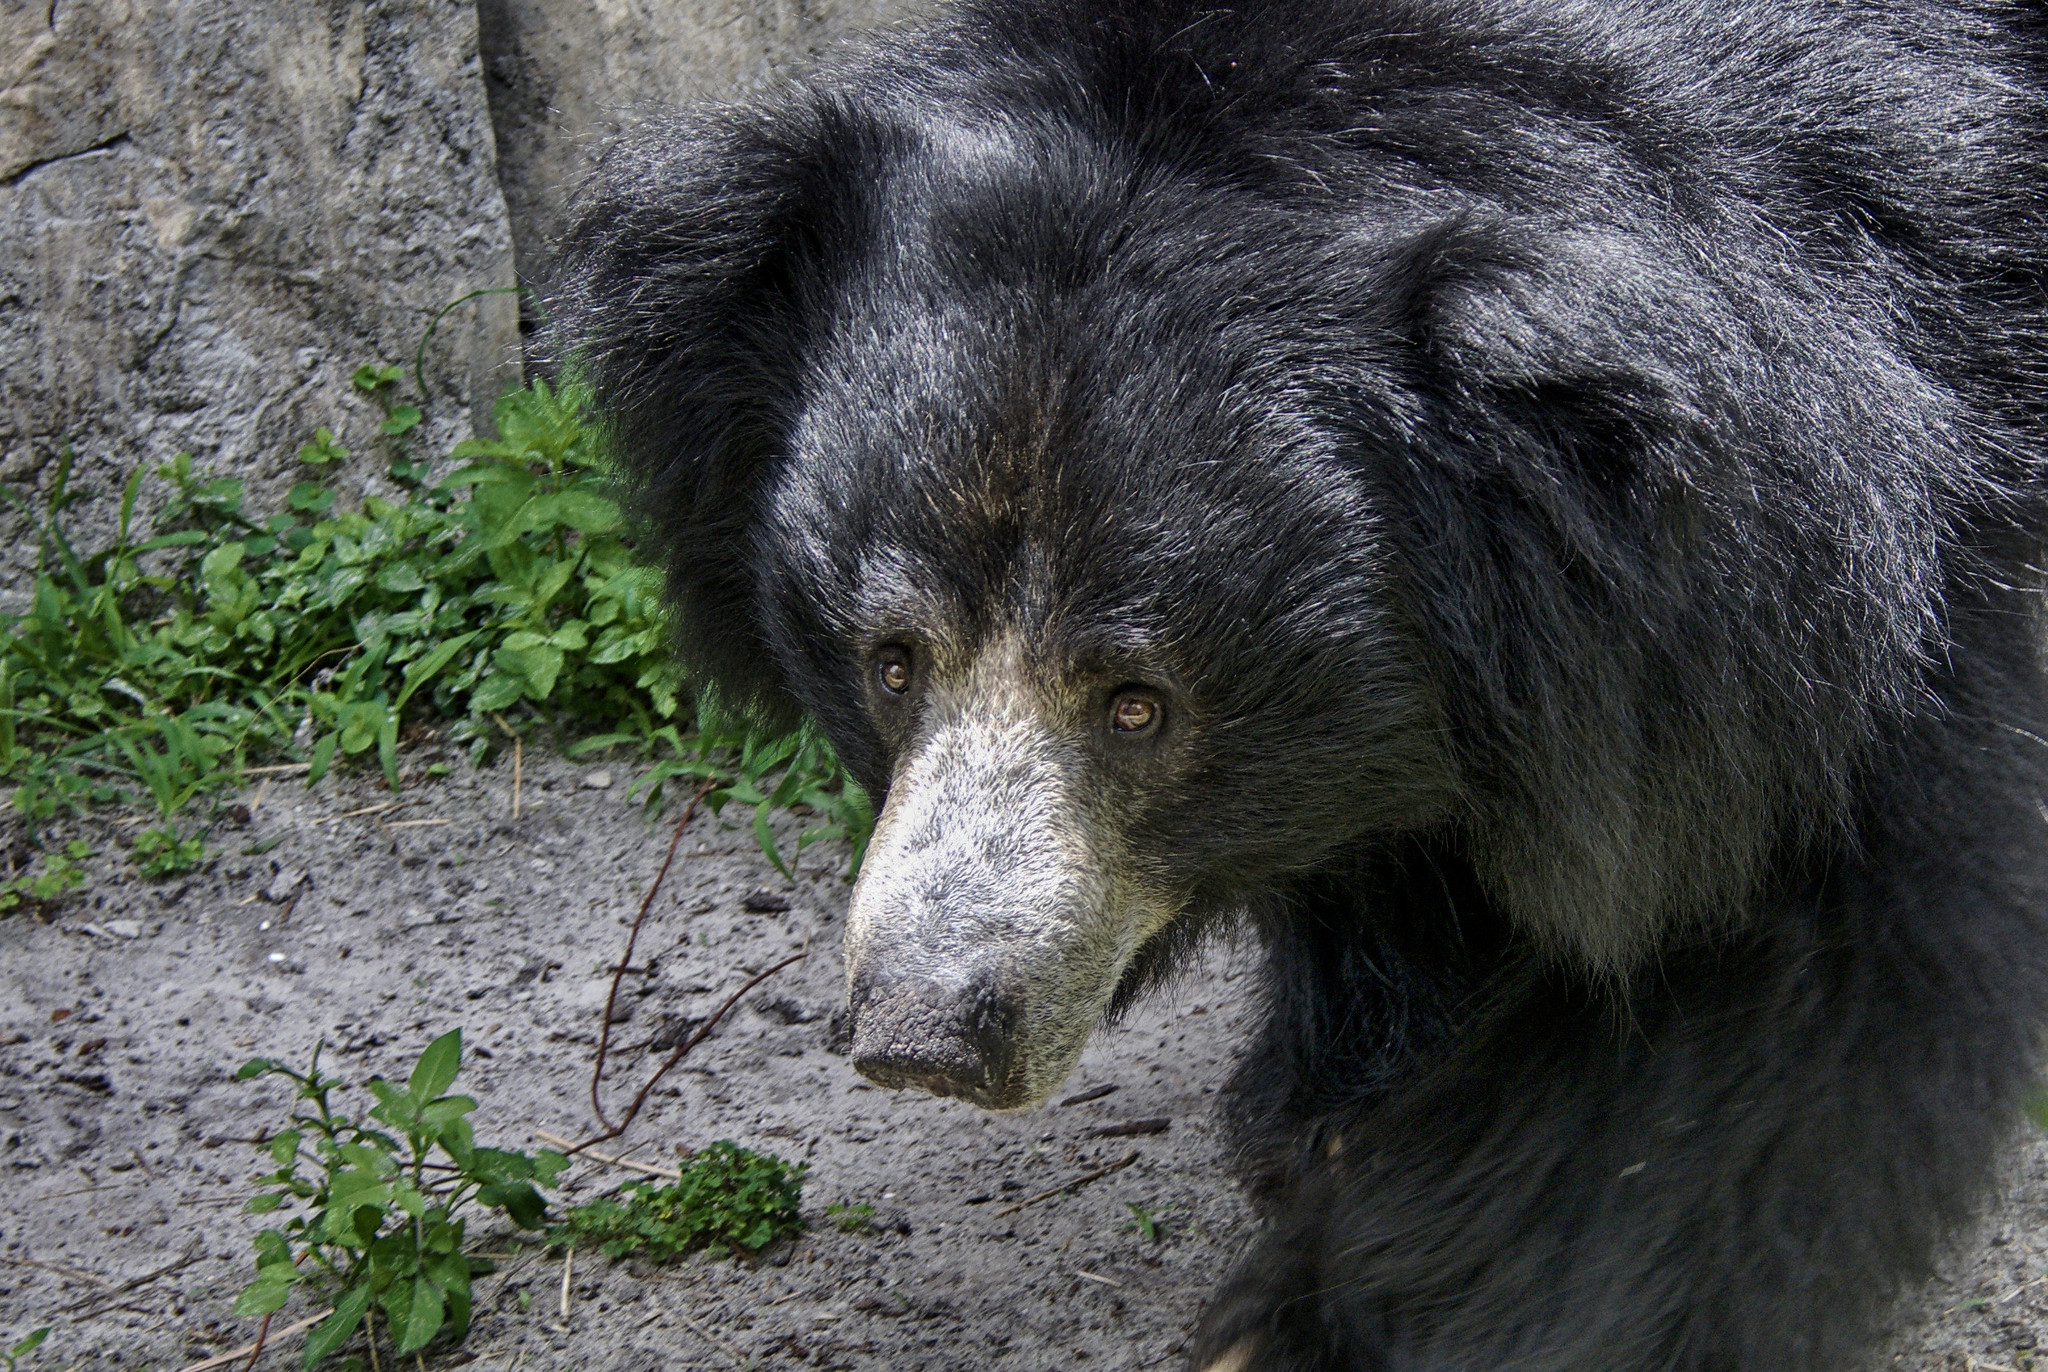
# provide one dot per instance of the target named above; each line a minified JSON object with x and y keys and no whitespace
{"x":949,"y":1038}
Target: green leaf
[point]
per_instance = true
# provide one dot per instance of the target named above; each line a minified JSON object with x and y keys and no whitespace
{"x":535,"y":668}
{"x":29,"y":1344}
{"x":254,"y":1067}
{"x":521,"y":1203}
{"x":334,"y":1331}
{"x":585,"y":511}
{"x":422,"y":1318}
{"x":322,"y":450}
{"x":418,"y":673}
{"x":436,"y":1070}
{"x":446,"y":1111}
{"x":262,"y":1296}
{"x":309,"y":497}
{"x":401,"y":418}
{"x":387,"y":747}
{"x":372,"y":378}
{"x":323,"y":757}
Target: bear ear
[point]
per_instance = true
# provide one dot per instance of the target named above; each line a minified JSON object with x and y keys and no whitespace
{"x":694,"y":276}
{"x":1556,"y":415}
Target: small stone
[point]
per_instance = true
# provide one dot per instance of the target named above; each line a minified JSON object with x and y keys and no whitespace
{"x":125,"y":928}
{"x":597,"y":781}
{"x":765,"y":902}
{"x":284,"y":884}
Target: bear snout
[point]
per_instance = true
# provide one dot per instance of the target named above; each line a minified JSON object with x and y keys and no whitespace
{"x":948,"y":1038}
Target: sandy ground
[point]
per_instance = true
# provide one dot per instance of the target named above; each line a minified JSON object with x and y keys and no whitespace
{"x":124,"y":1142}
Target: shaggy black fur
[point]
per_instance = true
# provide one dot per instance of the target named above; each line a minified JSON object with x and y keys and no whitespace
{"x":1578,"y":463}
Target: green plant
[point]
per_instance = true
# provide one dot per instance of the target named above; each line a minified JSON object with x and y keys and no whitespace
{"x":1148,"y":1222}
{"x":23,"y":1347}
{"x":851,"y":1218}
{"x":59,"y":877}
{"x":379,"y":1217}
{"x":161,"y":853}
{"x":501,"y":598}
{"x":796,"y":771}
{"x":726,"y":1195}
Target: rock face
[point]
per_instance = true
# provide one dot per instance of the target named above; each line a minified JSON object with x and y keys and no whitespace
{"x":212,"y":211}
{"x":564,"y":73}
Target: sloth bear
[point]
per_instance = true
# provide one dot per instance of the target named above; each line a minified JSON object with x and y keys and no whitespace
{"x":1531,"y":508}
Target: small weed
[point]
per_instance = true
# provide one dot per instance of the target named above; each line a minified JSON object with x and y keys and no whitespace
{"x":1150,"y":1223}
{"x":59,"y":877}
{"x":727,"y":1195}
{"x":160,"y":853}
{"x":24,"y":1347}
{"x":851,"y":1218}
{"x":379,"y":1215}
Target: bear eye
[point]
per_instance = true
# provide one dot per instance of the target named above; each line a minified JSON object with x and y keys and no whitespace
{"x":892,"y":669}
{"x":1133,"y":712}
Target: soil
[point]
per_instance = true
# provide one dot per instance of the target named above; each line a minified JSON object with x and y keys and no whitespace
{"x":126,"y":1154}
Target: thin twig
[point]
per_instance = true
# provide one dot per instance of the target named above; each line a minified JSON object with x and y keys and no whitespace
{"x":358,"y":814}
{"x":414,"y":823}
{"x":262,"y":1334}
{"x":568,"y":1266}
{"x":237,"y":1354}
{"x":518,"y":760}
{"x":69,"y":1273}
{"x":738,"y":1359}
{"x":650,"y":1169}
{"x":1097,"y":1175}
{"x":683,"y":1050}
{"x":280,"y":769}
{"x":611,"y":999}
{"x":192,"y":1255}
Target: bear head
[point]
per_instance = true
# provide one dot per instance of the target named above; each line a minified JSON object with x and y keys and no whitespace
{"x":1144,"y":533}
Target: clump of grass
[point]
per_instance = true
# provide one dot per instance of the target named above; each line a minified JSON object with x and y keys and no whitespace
{"x":500,"y":597}
{"x":855,"y":1217}
{"x":57,"y":876}
{"x":727,"y":1196}
{"x":161,"y":853}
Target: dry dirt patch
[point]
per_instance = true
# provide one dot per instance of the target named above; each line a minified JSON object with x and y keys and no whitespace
{"x":124,"y":1154}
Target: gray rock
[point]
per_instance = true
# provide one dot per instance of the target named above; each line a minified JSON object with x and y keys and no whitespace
{"x":212,"y":211}
{"x":284,"y":885}
{"x":562,"y":74}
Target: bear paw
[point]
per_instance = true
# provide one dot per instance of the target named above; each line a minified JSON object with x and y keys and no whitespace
{"x":1278,"y":1313}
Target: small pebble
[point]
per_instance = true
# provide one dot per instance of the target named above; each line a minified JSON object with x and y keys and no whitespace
{"x":597,"y":781}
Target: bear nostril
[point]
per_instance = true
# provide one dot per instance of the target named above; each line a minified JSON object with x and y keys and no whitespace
{"x":947,"y":1038}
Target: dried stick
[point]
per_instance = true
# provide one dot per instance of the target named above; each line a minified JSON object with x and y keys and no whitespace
{"x":192,"y":1255}
{"x":669,"y":1173}
{"x":1097,"y":1175}
{"x":568,"y":1266}
{"x":237,"y":1354}
{"x":611,"y":999}
{"x":262,"y":1335}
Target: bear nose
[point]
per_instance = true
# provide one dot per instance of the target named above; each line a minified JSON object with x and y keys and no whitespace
{"x":949,"y":1038}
